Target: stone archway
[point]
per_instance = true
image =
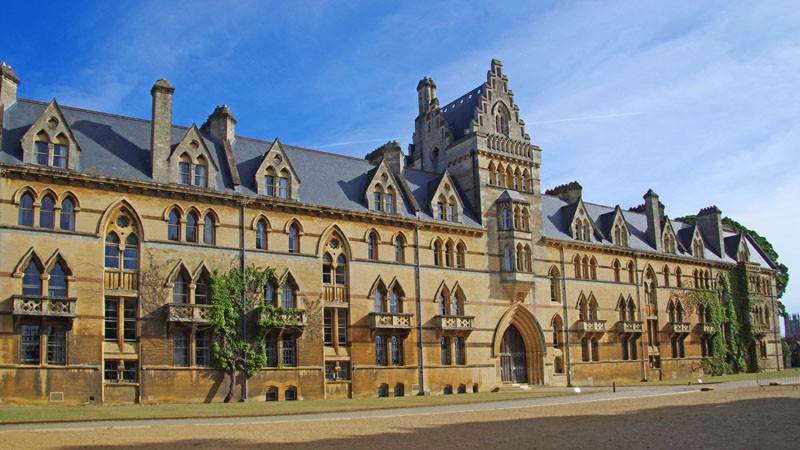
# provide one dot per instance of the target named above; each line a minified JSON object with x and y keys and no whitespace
{"x":518,"y":345}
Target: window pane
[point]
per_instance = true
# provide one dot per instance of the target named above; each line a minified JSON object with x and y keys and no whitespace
{"x":130,"y":257}
{"x":29,"y":344}
{"x":26,"y":210}
{"x":129,"y":320}
{"x":289,"y":351}
{"x":32,"y":280}
{"x":287,"y":297}
{"x":344,"y":371}
{"x":397,"y":351}
{"x":200,"y":175}
{"x":269,"y":184}
{"x":41,"y":153}
{"x":445,"y":346}
{"x":203,"y":345}
{"x":67,"y":215}
{"x":330,"y":372}
{"x":110,"y":373}
{"x":46,"y":212}
{"x":272,"y":350}
{"x":179,"y":290}
{"x":380,"y":351}
{"x":269,"y":294}
{"x":180,"y":349}
{"x":208,"y":229}
{"x":283,"y":187}
{"x":261,"y":236}
{"x":294,"y":243}
{"x":130,"y":372}
{"x":183,"y":173}
{"x":327,"y":327}
{"x":56,"y":346}
{"x":112,"y":319}
{"x":191,"y":228}
{"x":201,"y":292}
{"x":60,"y":156}
{"x":174,"y":227}
{"x":58,"y":282}
{"x":342,"y":327}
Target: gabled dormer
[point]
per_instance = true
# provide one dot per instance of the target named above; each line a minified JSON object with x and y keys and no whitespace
{"x":737,"y":247}
{"x":581,"y":226}
{"x":445,"y":203}
{"x":50,"y":142}
{"x":698,"y":245}
{"x":382,"y":192}
{"x":191,"y":161}
{"x":617,"y":228}
{"x":669,"y":242}
{"x":275,"y":176}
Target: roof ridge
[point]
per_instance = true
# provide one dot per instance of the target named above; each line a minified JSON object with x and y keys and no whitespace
{"x":304,"y":149}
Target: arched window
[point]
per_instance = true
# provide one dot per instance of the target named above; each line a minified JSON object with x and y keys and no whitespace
{"x":290,"y":394}
{"x":269,"y":293}
{"x":383,"y":389}
{"x":616,"y":266}
{"x":372,"y":250}
{"x":191,"y":227}
{"x":508,"y":259}
{"x":174,"y":226}
{"x":587,"y":231}
{"x":517,"y":219}
{"x":26,"y":210}
{"x":585,"y":264}
{"x":458,"y":346}
{"x":461,"y":253}
{"x":455,"y":306}
{"x":388,"y":200}
{"x":576,"y":262}
{"x":57,"y":285}
{"x":41,"y":152}
{"x":505,"y":215}
{"x":378,"y":297}
{"x":583,"y":309}
{"x":130,"y":256}
{"x":112,"y":251}
{"x":593,"y":268}
{"x":269,"y":182}
{"x":448,"y":254}
{"x":437,"y":253}
{"x":208,"y":229}
{"x":666,"y":276}
{"x":60,"y":152}
{"x":340,"y":266}
{"x":67,"y":215}
{"x":399,"y":390}
{"x":442,"y":302}
{"x":631,"y":273}
{"x":32,"y":280}
{"x":47,"y":212}
{"x":501,"y":120}
{"x":558,"y":327}
{"x":185,"y":170}
{"x":380,"y":351}
{"x":180,"y":289}
{"x":283,"y":184}
{"x":201,"y":291}
{"x":288,"y":296}
{"x":294,"y":239}
{"x":558,"y":366}
{"x":526,"y":219}
{"x":394,"y":301}
{"x":398,"y":249}
{"x":261,"y":235}
{"x":555,"y":285}
{"x":201,"y":173}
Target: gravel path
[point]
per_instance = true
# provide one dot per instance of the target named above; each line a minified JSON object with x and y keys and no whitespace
{"x":731,"y":416}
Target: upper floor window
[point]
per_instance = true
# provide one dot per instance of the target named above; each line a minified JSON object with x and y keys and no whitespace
{"x":209,"y":229}
{"x":508,"y":259}
{"x":283,"y":186}
{"x":372,"y":246}
{"x":193,"y":172}
{"x":294,"y":239}
{"x":505,"y":221}
{"x":184,"y":171}
{"x":68,"y":214}
{"x":555,"y":285}
{"x":57,"y":284}
{"x":191,"y":227}
{"x":41,"y":153}
{"x":26,"y":210}
{"x":60,"y":156}
{"x":32,"y":280}
{"x":174,"y":226}
{"x":399,"y":248}
{"x":261,"y":235}
{"x":501,"y":118}
{"x":201,"y":173}
{"x":47,"y":212}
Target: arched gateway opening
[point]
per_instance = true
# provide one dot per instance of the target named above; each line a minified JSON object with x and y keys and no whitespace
{"x":518,"y":344}
{"x":513,"y":362}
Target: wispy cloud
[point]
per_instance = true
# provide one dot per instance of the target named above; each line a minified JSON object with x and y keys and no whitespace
{"x":338,"y":144}
{"x":577,"y":119}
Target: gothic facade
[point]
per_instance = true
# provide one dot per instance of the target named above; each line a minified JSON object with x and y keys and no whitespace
{"x":444,"y":271}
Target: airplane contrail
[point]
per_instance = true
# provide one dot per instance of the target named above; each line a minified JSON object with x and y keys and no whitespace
{"x":574,"y":119}
{"x":336,"y":144}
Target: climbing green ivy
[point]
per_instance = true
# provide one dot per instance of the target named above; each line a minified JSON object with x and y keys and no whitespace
{"x":233,"y":295}
{"x":715,"y":364}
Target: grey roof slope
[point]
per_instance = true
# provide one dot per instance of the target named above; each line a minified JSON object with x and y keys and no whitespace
{"x":119,"y":147}
{"x":460,"y":112}
{"x":556,"y":226}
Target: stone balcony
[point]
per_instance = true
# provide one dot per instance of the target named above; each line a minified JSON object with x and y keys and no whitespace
{"x":44,"y":306}
{"x":631,"y":326}
{"x":187,"y":313}
{"x":334,"y":295}
{"x":679,"y":328}
{"x":591,"y":326}
{"x":453,"y":324}
{"x":284,"y":318}
{"x":706,"y":328}
{"x":399,"y":321}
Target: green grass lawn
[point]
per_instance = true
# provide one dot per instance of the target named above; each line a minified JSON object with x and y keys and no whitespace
{"x":60,"y":413}
{"x":708,"y":379}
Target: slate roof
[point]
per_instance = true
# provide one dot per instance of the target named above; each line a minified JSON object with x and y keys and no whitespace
{"x":119,"y":147}
{"x":460,"y":112}
{"x":555,"y":214}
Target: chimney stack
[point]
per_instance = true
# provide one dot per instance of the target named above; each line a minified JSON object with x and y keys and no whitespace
{"x":654,"y":211}
{"x":570,"y":192}
{"x":391,"y":153}
{"x":8,"y":86}
{"x":426,"y":92}
{"x":221,"y":124}
{"x":161,"y":131}
{"x":710,"y":222}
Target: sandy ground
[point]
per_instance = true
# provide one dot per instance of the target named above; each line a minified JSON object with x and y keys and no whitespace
{"x":731,"y":419}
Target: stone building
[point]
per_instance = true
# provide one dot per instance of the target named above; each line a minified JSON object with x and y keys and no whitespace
{"x":444,"y":271}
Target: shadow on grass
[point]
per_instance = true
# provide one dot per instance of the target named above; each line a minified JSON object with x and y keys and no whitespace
{"x":754,"y":423}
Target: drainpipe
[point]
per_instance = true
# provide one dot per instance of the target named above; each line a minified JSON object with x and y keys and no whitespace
{"x":242,"y":267}
{"x":420,"y":357}
{"x":639,"y":307}
{"x":566,"y":318}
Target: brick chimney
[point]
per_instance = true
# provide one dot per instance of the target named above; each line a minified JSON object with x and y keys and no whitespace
{"x":655,"y":216}
{"x":570,"y":192}
{"x":391,"y":153}
{"x":426,"y":92}
{"x":709,"y":220}
{"x":161,"y":131}
{"x":8,"y":86}
{"x":221,"y":124}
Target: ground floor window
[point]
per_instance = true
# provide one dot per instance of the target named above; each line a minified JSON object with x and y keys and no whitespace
{"x":389,"y":350}
{"x":32,"y":342}
{"x":272,"y":394}
{"x":706,"y":346}
{"x":290,"y":394}
{"x":678,"y":350}
{"x":120,"y":371}
{"x":383,"y":390}
{"x":281,"y":349}
{"x":628,"y":348}
{"x":399,"y":390}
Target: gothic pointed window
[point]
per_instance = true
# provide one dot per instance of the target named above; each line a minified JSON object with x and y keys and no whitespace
{"x":174,"y":226}
{"x":508,"y":258}
{"x":555,"y":285}
{"x":130,"y":256}
{"x":201,"y":291}
{"x":185,"y":170}
{"x":47,"y":212}
{"x":180,"y":289}
{"x":57,"y":285}
{"x":32,"y":280}
{"x":394,"y":302}
{"x":372,"y":252}
{"x":378,"y":301}
{"x":26,"y":210}
{"x":191,"y":227}
{"x":41,"y":153}
{"x":112,"y":251}
{"x":261,"y":235}
{"x":398,"y":249}
{"x":67,"y":218}
{"x":208,"y":229}
{"x":201,"y":173}
{"x":288,"y":296}
{"x":294,"y":239}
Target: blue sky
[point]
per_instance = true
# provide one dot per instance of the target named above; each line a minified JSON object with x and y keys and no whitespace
{"x":699,"y":101}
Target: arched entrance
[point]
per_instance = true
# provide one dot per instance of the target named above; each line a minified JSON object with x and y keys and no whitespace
{"x":513,"y":362}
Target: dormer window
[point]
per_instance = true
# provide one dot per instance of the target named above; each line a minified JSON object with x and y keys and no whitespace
{"x":440,"y":210}
{"x":201,"y":173}
{"x":697,"y":248}
{"x":269,"y":185}
{"x":60,"y":156}
{"x":184,"y":170}
{"x":283,"y":184}
{"x":41,"y":153}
